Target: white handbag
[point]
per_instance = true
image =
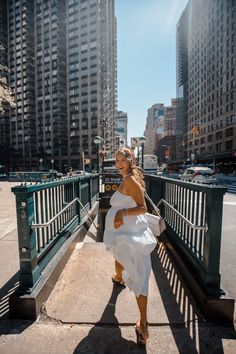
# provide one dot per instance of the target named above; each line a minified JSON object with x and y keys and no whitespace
{"x":154,"y":223}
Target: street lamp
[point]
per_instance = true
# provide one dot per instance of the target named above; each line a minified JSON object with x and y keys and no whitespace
{"x":142,"y":141}
{"x":41,"y":165}
{"x":97,"y":140}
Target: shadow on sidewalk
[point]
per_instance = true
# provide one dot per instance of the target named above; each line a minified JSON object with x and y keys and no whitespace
{"x":196,"y":334}
{"x":104,"y":339}
{"x":9,"y":326}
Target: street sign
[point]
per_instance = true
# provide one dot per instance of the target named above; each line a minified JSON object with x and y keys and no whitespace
{"x":112,"y":182}
{"x":137,"y":141}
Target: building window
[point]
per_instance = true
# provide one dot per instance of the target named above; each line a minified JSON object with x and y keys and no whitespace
{"x":229,"y":132}
{"x":210,"y":137}
{"x":229,"y":145}
{"x":219,"y":147}
{"x":219,"y":135}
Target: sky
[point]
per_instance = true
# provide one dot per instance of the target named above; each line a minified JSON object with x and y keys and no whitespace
{"x":146,"y":57}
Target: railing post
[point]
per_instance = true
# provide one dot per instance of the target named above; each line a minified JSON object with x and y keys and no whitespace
{"x":29,"y":270}
{"x":78,"y":194}
{"x":212,"y":239}
{"x":90,"y":192}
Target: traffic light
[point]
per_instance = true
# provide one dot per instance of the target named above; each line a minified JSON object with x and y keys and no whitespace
{"x":196,"y":131}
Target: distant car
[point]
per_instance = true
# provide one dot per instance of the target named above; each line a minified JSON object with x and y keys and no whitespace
{"x":80,"y":172}
{"x":55,"y":173}
{"x":203,"y":175}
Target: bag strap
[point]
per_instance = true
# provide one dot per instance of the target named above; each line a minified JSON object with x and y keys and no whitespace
{"x":152,"y":203}
{"x":83,"y":208}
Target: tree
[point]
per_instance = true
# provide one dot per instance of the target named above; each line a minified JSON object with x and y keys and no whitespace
{"x":6,"y":97}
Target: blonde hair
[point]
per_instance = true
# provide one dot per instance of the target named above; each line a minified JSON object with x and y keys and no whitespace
{"x":134,"y":169}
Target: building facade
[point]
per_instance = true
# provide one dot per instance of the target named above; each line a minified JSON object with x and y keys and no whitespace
{"x":206,"y":81}
{"x":181,"y":84}
{"x":4,"y":119}
{"x":121,"y":129}
{"x":62,"y":60}
{"x":161,"y":131}
{"x":165,"y":134}
{"x":155,"y":119}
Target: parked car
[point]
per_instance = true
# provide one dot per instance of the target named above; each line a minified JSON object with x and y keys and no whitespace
{"x":203,"y":175}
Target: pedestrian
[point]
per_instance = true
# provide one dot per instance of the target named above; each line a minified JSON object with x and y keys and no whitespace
{"x":125,"y":229}
{"x":70,"y":172}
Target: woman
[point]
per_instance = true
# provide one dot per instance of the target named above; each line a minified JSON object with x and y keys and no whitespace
{"x":125,"y":231}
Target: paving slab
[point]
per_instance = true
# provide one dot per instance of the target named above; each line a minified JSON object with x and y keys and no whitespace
{"x":7,"y":208}
{"x":9,"y":260}
{"x":56,"y":338}
{"x":86,"y":286}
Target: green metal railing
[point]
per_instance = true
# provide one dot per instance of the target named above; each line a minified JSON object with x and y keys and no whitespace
{"x":193,"y":214}
{"x":47,"y":214}
{"x":29,"y":176}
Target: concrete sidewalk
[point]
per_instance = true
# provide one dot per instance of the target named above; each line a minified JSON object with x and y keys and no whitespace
{"x":87,"y":314}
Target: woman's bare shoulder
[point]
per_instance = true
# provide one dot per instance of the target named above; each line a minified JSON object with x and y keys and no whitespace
{"x":130,"y":181}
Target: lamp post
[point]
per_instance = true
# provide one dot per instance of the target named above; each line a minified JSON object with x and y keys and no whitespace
{"x":41,"y":166}
{"x":97,"y":141}
{"x":28,"y":145}
{"x":104,"y":139}
{"x":52,"y":162}
{"x":142,"y":141}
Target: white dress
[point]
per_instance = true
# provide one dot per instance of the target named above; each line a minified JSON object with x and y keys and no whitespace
{"x":128,"y":244}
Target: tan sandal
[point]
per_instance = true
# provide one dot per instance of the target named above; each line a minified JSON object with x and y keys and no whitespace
{"x":117,"y":280}
{"x":142,"y":333}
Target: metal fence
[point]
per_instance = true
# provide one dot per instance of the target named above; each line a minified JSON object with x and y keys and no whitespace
{"x":47,"y":214}
{"x":193,"y":214}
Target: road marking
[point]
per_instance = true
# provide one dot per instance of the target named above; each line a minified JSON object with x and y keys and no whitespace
{"x":229,"y":203}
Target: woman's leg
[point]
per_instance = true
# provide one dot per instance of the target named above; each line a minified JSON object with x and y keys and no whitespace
{"x":119,"y":269}
{"x":142,"y":325}
{"x":142,"y":305}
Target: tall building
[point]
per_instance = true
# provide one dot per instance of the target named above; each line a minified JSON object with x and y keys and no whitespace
{"x":165,"y":134}
{"x":121,"y":129}
{"x":155,"y":115}
{"x":91,"y":79}
{"x":181,"y":84}
{"x":62,"y":57}
{"x":206,"y":81}
{"x":4,"y":114}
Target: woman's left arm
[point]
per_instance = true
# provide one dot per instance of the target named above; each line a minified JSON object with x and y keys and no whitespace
{"x":134,"y":190}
